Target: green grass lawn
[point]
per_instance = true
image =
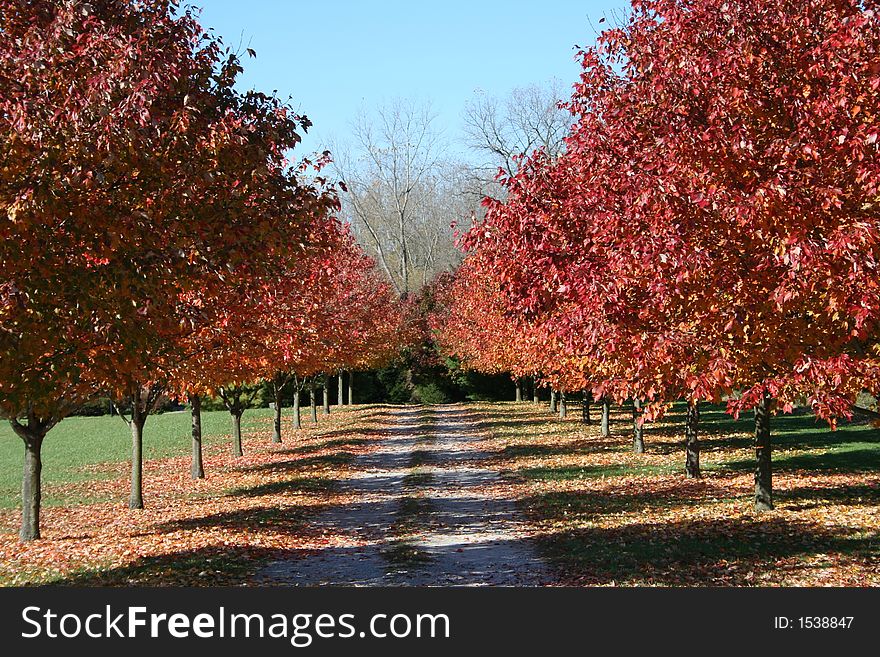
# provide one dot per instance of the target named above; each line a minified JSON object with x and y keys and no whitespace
{"x":610,"y":516}
{"x":802,"y":441}
{"x":78,"y":442}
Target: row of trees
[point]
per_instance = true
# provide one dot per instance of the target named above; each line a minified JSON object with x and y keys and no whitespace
{"x":710,"y":230}
{"x":156,"y":240}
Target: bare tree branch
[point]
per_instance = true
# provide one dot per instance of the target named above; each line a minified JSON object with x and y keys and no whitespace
{"x":398,"y":199}
{"x":504,"y":130}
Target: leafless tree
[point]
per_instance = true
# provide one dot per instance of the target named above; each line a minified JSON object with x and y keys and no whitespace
{"x":500,"y":130}
{"x":404,"y":194}
{"x":398,"y":192}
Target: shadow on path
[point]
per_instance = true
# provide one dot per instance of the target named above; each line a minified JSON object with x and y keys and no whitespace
{"x":422,"y":514}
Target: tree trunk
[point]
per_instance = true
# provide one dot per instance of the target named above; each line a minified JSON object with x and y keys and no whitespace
{"x":340,"y":398}
{"x":404,"y":259}
{"x":563,"y":405}
{"x":692,"y":442}
{"x":297,"y":421}
{"x":313,"y":403}
{"x":606,"y":417}
{"x":326,"y":399}
{"x":236,"y":433}
{"x":552,"y":400}
{"x":763,"y":468}
{"x":535,"y":397}
{"x":351,"y":388}
{"x":30,"y":488}
{"x":519,"y":395}
{"x":585,"y":409}
{"x":276,"y":426}
{"x":638,"y":428}
{"x":198,"y":468}
{"x":136,"y":499}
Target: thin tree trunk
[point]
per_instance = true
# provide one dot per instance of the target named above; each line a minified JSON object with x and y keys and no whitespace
{"x":692,"y":442}
{"x":764,"y":465}
{"x":276,"y":420}
{"x":136,"y":499}
{"x":236,"y":433}
{"x":404,"y":260}
{"x":313,"y":403}
{"x":351,"y":388}
{"x":339,"y":398}
{"x":563,"y":405}
{"x":297,"y":421}
{"x":638,"y":428}
{"x":535,"y":396}
{"x":31,"y":488}
{"x":552,"y":400}
{"x":585,"y":409}
{"x":519,"y":392}
{"x":326,"y":399}
{"x":198,"y":468}
{"x":606,"y":417}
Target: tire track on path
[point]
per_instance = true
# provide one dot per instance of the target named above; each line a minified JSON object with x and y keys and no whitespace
{"x":423,"y":515}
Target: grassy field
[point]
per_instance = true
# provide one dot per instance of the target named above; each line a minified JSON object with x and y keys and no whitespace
{"x":75,"y":450}
{"x":604,"y":515}
{"x":601,"y":515}
{"x":217,"y":530}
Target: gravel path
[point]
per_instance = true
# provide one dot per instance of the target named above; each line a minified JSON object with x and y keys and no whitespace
{"x":422,"y":516}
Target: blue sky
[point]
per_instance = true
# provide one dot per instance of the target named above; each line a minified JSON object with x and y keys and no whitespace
{"x":335,"y":57}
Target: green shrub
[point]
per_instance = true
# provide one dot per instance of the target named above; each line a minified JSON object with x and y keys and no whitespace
{"x":429,"y":393}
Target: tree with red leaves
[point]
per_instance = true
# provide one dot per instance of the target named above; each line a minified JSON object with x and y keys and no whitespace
{"x":134,"y":178}
{"x":365,"y":324}
{"x":712,"y":228}
{"x":471,"y":323}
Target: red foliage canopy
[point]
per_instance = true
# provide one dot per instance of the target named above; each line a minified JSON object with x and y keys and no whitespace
{"x":713,"y":224}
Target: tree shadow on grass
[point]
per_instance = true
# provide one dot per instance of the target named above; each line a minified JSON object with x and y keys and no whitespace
{"x":345,"y":434}
{"x":337,"y":458}
{"x":841,"y":460}
{"x":297,"y":484}
{"x":592,"y":447}
{"x":705,"y":552}
{"x":564,"y":473}
{"x":210,"y":566}
{"x":332,"y":443}
{"x":483,"y":424}
{"x":522,"y":437}
{"x":807,"y":497}
{"x":837,"y":461}
{"x":289,"y":519}
{"x":589,"y":505}
{"x":708,"y":443}
{"x":797,"y":431}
